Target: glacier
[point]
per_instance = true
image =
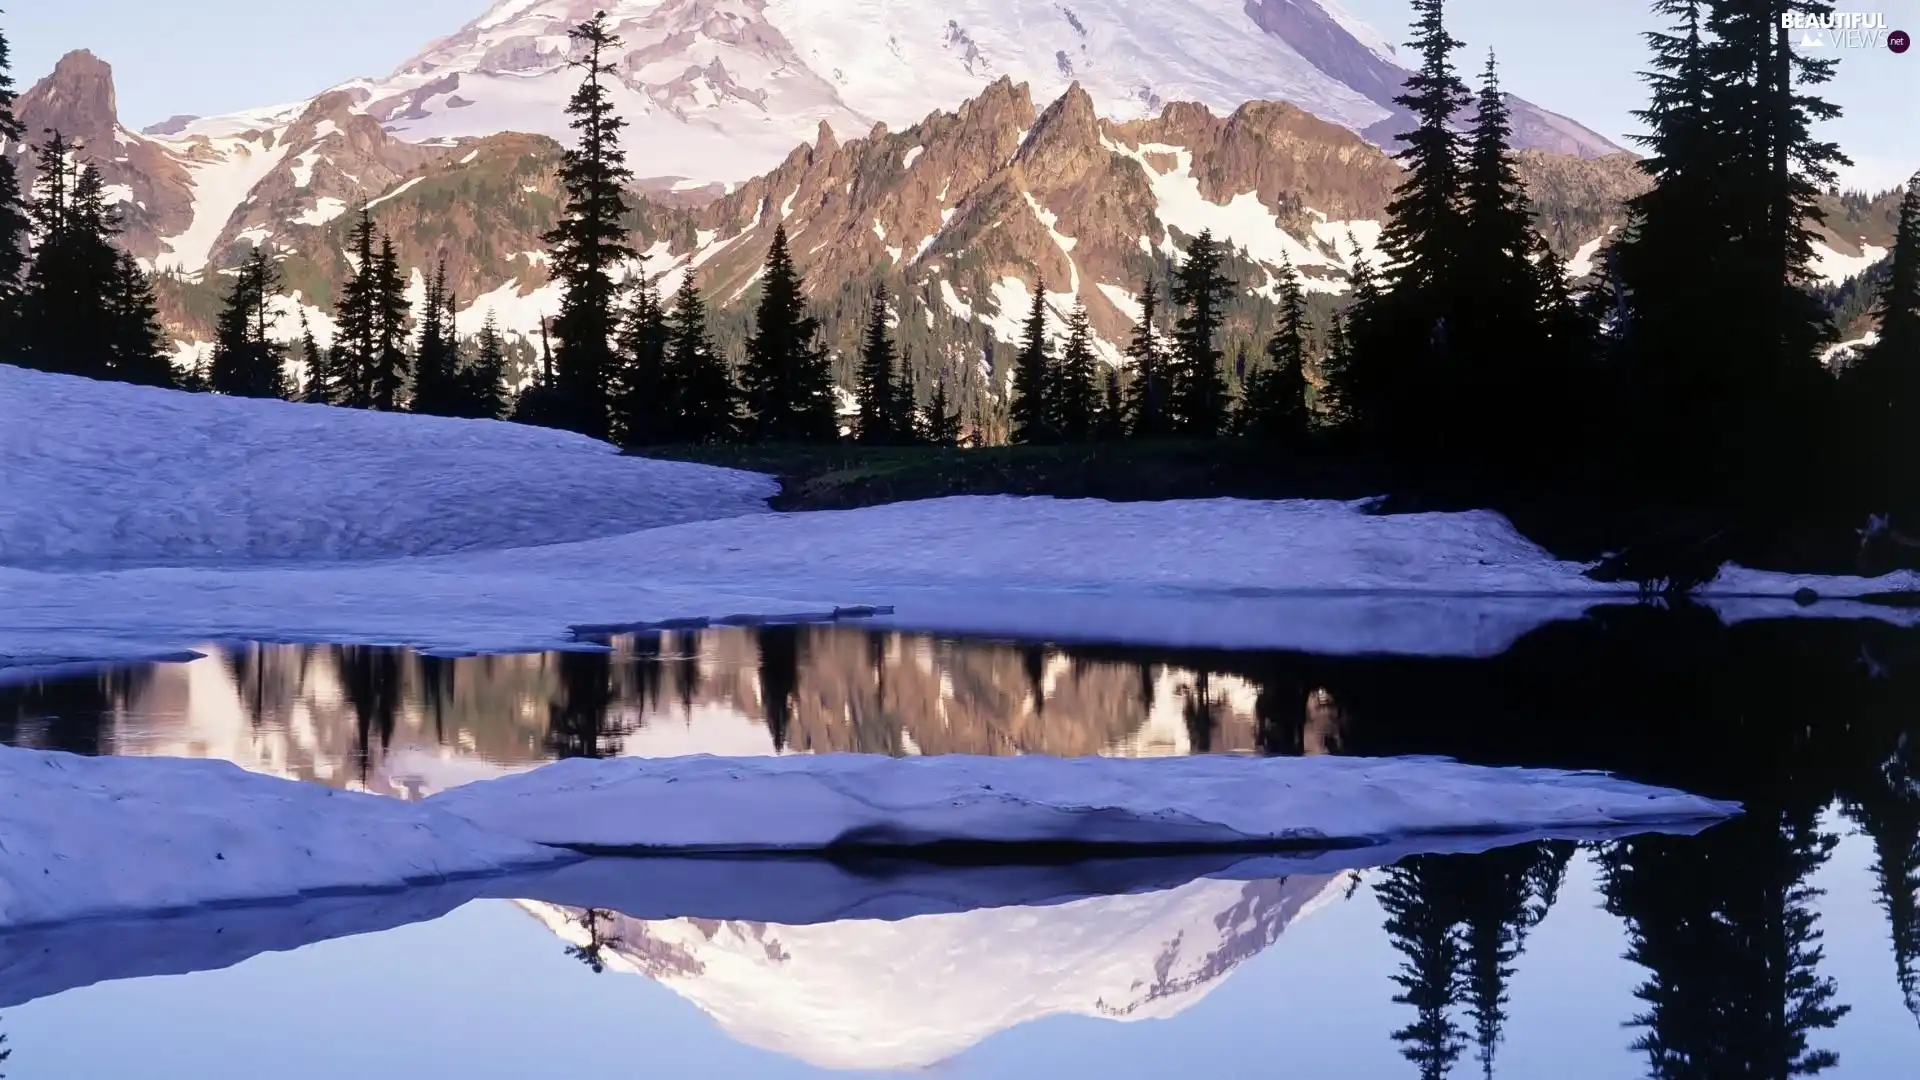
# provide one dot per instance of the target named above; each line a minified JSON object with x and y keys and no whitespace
{"x":91,"y":838}
{"x":853,"y":803}
{"x":195,"y":518}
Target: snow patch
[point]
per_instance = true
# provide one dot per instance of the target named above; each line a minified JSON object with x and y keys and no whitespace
{"x":817,"y":803}
{"x":1834,"y":268}
{"x":401,"y":190}
{"x":101,"y":837}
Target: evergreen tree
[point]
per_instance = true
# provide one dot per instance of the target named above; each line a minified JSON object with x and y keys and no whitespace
{"x":1033,"y":376}
{"x":246,"y":361}
{"x":1423,"y":230}
{"x":1498,"y":340}
{"x":1725,"y":925}
{"x":1275,"y":405}
{"x":907,"y":423}
{"x":1886,"y":378}
{"x":15,"y":227}
{"x":1201,"y":291}
{"x":313,"y":387}
{"x":137,"y":350}
{"x":1421,"y":915}
{"x":708,"y":399}
{"x":1887,"y":807}
{"x":591,"y":239}
{"x":1150,"y":407}
{"x":787,"y":379}
{"x":356,"y":345}
{"x":484,"y":382}
{"x":1331,"y":402}
{"x":538,"y":402}
{"x":874,"y":425}
{"x":647,"y":396}
{"x":943,"y":421}
{"x":62,"y":324}
{"x":1074,"y":395}
{"x":1111,"y":423}
{"x":436,"y":388}
{"x":391,"y":365}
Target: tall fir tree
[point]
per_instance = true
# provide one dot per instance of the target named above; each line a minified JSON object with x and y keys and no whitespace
{"x":1033,"y":376}
{"x":392,"y":367}
{"x":1201,"y":290}
{"x":590,"y":241}
{"x":1494,"y":392}
{"x":137,"y":352}
{"x":1886,"y":378}
{"x":436,"y":358}
{"x":1423,"y":230}
{"x":1074,"y":395}
{"x":787,"y":378}
{"x":943,"y":420}
{"x":708,"y":399}
{"x":646,"y":397}
{"x":874,"y":424}
{"x":247,"y":362}
{"x":313,"y":387}
{"x":1150,"y":406}
{"x":907,"y":422}
{"x":356,"y":345}
{"x":1274,"y":406}
{"x":15,"y":228}
{"x":85,"y":308}
{"x":1111,"y":423}
{"x":483,"y":383}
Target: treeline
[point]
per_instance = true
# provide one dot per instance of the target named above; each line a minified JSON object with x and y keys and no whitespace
{"x":1689,"y":373}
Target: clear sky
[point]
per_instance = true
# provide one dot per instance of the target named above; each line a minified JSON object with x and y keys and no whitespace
{"x":206,"y":57}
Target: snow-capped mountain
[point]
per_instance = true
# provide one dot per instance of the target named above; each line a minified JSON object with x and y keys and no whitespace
{"x":909,"y":994}
{"x":718,"y":90}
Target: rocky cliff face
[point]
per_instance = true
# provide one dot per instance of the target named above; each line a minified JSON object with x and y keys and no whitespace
{"x":961,"y":215}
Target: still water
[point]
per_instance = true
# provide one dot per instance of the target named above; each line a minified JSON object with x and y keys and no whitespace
{"x":1785,"y":943}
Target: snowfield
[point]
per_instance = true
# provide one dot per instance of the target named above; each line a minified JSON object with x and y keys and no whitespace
{"x":104,"y":837}
{"x":832,"y":802}
{"x":135,"y":523}
{"x":95,"y":472}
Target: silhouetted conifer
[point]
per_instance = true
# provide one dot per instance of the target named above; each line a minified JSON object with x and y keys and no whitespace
{"x":1150,"y":406}
{"x":907,"y":423}
{"x":484,"y":382}
{"x":1275,"y":403}
{"x":1886,"y":378}
{"x":436,"y":388}
{"x":787,"y":379}
{"x":356,"y":344}
{"x":876,"y":389}
{"x":247,"y":362}
{"x":590,"y":240}
{"x":312,"y":387}
{"x":391,"y":364}
{"x":646,"y":397}
{"x":15,"y":228}
{"x":708,"y":399}
{"x":1032,"y":414}
{"x":1110,"y":425}
{"x":942,"y":419}
{"x":1200,"y":290}
{"x":1074,"y":395}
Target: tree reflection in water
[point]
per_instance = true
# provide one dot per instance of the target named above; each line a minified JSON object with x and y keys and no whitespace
{"x":1793,"y":718}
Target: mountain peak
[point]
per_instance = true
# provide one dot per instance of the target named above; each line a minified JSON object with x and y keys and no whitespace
{"x":77,"y":100}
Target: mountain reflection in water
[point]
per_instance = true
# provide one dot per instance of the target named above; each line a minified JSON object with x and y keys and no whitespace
{"x":1785,"y":943}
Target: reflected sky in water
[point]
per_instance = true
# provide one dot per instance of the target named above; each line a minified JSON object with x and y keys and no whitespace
{"x":1783,"y":944}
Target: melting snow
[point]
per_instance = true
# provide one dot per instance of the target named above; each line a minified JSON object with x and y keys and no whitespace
{"x":1834,"y":268}
{"x":402,"y":189}
{"x":220,"y":187}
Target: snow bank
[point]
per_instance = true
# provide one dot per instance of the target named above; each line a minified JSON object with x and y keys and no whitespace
{"x":104,"y":837}
{"x":858,"y":802}
{"x":107,"y":473}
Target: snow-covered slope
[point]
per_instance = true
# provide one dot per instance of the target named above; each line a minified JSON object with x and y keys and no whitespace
{"x":132,"y":475}
{"x":720,"y":89}
{"x":853,"y":801}
{"x":912,"y":993}
{"x":98,"y":837}
{"x":232,"y":518}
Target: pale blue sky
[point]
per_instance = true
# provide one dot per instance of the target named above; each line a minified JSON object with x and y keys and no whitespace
{"x":210,"y":56}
